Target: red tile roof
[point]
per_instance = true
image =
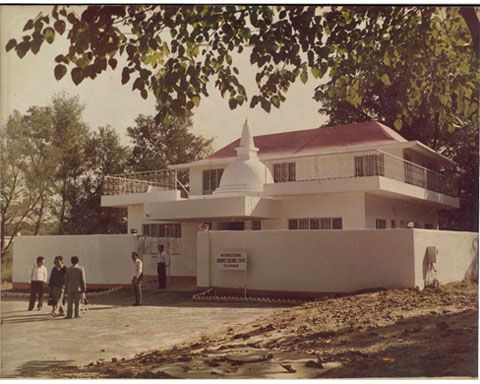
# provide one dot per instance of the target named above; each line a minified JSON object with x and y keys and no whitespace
{"x":335,"y":136}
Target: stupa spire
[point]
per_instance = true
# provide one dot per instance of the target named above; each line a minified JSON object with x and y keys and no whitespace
{"x":246,"y":139}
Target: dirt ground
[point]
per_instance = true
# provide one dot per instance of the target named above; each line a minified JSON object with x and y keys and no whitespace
{"x":34,"y":343}
{"x":393,"y":333}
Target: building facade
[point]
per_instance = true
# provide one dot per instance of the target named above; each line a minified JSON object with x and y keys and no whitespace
{"x":351,"y":177}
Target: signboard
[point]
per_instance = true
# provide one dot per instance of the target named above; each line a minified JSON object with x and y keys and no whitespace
{"x":232,"y":261}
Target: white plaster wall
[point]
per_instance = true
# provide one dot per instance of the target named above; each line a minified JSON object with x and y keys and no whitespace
{"x":185,"y":263}
{"x":349,"y":206}
{"x":310,"y":261}
{"x":106,"y":258}
{"x":381,"y":207}
{"x":135,"y":218}
{"x":457,"y":254}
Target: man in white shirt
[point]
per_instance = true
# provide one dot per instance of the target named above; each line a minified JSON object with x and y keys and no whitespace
{"x":163,"y":261}
{"x":137,"y":279}
{"x":38,"y":280}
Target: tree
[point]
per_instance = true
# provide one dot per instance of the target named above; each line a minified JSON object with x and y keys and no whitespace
{"x":416,"y":76}
{"x":28,"y":164}
{"x":104,"y":156}
{"x":70,"y":138}
{"x":157,"y":145}
{"x":176,"y":51}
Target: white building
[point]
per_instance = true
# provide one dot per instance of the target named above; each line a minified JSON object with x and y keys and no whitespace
{"x":320,"y":210}
{"x":355,"y":176}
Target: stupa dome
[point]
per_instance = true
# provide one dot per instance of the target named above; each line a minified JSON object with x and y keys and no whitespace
{"x":246,"y":174}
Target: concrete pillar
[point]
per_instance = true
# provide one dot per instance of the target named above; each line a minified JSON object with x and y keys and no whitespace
{"x":203,"y":259}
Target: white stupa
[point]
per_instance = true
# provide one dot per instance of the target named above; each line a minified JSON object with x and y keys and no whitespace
{"x":246,"y":174}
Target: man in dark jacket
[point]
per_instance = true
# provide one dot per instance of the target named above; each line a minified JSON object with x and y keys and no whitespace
{"x":57,"y":286}
{"x":75,"y":286}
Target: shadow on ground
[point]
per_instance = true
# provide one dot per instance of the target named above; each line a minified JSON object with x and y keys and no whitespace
{"x":38,"y":368}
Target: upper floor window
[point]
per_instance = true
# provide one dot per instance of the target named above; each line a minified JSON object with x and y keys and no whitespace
{"x":283,"y":172}
{"x":380,"y":224}
{"x":211,"y":180}
{"x":316,"y":223}
{"x":429,"y":226}
{"x":369,"y":165}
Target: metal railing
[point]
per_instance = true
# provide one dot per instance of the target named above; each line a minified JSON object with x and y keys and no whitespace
{"x":140,"y":182}
{"x":359,"y":164}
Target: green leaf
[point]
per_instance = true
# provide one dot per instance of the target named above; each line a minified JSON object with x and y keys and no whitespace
{"x":60,"y":71}
{"x":77,"y":75}
{"x":275,"y":100}
{"x":11,"y":44}
{"x":49,"y":34}
{"x":304,"y":76}
{"x":195,"y":100}
{"x":59,"y":26}
{"x":315,"y":72}
{"x":397,"y":124}
{"x":385,"y":79}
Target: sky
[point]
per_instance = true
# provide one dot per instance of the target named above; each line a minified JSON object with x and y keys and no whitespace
{"x":30,"y":81}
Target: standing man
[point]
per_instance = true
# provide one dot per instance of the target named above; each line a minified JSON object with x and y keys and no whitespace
{"x":75,"y":286}
{"x":38,"y":280}
{"x":163,"y":261}
{"x":137,"y":279}
{"x":57,"y":285}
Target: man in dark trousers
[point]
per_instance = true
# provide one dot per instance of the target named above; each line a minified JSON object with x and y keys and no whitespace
{"x":38,"y":280}
{"x":75,"y":286}
{"x":163,"y":261}
{"x":137,"y":279}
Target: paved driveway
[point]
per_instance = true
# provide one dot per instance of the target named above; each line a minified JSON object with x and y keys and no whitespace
{"x":111,"y":327}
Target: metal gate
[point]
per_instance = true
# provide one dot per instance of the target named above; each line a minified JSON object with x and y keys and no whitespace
{"x":148,"y":247}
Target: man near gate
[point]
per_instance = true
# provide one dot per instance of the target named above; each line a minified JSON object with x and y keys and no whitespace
{"x":163,"y":261}
{"x":137,"y":279}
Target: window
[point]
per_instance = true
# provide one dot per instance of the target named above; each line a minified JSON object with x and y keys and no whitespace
{"x":146,"y":230}
{"x":316,"y":223}
{"x":283,"y":172}
{"x":303,"y":224}
{"x":403,"y":224}
{"x":393,"y":224}
{"x":429,"y":226}
{"x":381,"y":224}
{"x":326,"y":223}
{"x":293,"y":224}
{"x":256,"y":225}
{"x":162,"y":230}
{"x":337,"y":223}
{"x":369,"y":165}
{"x":211,"y":180}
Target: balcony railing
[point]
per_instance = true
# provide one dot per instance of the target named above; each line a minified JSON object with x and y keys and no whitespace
{"x":360,"y":164}
{"x":139,"y":182}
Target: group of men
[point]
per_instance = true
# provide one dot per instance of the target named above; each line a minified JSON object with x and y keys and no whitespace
{"x":163,"y":261}
{"x":70,"y":281}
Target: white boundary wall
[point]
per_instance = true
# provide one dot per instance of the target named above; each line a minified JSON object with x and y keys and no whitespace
{"x":332,"y":261}
{"x":106,"y":258}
